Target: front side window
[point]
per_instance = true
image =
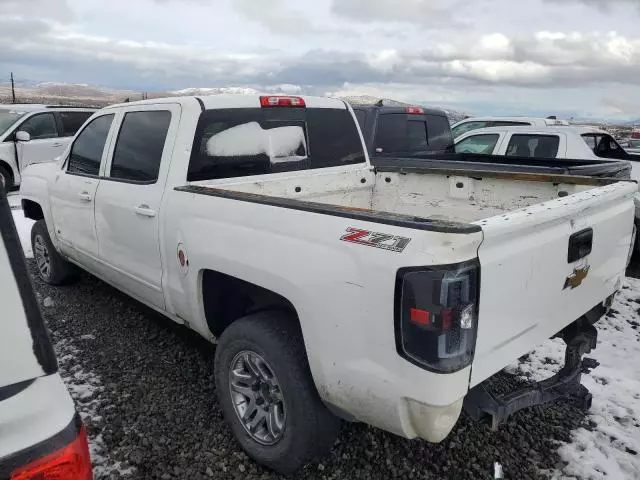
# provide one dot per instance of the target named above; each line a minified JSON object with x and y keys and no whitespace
{"x":87,"y":149}
{"x":40,"y":126}
{"x":71,"y":122}
{"x":543,"y":146}
{"x":482,"y":144}
{"x":140,"y":145}
{"x":244,"y":142}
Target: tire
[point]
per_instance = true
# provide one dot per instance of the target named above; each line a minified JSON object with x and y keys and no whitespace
{"x":6,"y":179}
{"x":52,"y":268}
{"x":308,"y":429}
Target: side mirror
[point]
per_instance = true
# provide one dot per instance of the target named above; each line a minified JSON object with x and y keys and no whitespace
{"x":23,"y":136}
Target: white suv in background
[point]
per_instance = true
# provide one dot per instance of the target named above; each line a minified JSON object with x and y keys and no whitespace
{"x":473,"y":123}
{"x":34,"y":134}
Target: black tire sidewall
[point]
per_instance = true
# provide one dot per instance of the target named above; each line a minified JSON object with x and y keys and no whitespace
{"x":60,"y":268}
{"x":8,"y":185}
{"x":304,"y":410}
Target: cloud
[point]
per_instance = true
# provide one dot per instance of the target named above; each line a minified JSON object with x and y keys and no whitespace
{"x":50,"y":9}
{"x":604,"y":5}
{"x":276,"y":16}
{"x":425,"y":12}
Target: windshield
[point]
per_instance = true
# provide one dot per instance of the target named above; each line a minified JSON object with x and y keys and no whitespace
{"x":8,"y":118}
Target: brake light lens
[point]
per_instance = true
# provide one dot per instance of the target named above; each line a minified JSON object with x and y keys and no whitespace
{"x":415,"y":110}
{"x":69,"y":463}
{"x":282,"y":101}
{"x":437,"y":315}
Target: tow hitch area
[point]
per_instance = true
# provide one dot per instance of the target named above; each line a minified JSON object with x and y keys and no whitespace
{"x":580,"y":337}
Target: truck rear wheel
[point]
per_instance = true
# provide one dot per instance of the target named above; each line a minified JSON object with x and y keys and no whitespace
{"x":52,"y":268}
{"x":267,"y":395}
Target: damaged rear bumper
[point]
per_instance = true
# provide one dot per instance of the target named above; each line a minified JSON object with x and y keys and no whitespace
{"x":580,"y":338}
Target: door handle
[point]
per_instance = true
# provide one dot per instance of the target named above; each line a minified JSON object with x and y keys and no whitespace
{"x":86,"y":196}
{"x":145,"y":211}
{"x":56,"y":145}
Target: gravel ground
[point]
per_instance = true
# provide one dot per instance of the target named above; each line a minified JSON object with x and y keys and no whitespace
{"x":152,"y":413}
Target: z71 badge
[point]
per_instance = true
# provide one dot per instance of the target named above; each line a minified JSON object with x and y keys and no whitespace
{"x":375,"y":239}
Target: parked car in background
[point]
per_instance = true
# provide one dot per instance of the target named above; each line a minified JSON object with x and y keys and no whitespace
{"x":34,"y":134}
{"x":631,"y":145}
{"x":41,"y":435}
{"x":584,"y":143}
{"x":403,"y":131}
{"x":334,"y":290}
{"x":473,"y":123}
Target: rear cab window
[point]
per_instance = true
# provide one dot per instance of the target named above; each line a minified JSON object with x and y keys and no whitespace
{"x":402,"y":133}
{"x":256,"y":141}
{"x":543,"y":146}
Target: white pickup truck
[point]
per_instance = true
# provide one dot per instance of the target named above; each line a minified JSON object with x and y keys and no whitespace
{"x":333,"y":290}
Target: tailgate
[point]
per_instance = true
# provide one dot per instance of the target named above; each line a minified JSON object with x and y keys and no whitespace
{"x":529,"y":289}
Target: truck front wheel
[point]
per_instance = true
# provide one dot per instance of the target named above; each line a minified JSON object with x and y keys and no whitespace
{"x":6,"y":179}
{"x":52,"y":268}
{"x":267,"y":395}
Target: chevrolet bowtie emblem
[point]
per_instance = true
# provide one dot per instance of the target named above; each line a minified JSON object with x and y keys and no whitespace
{"x":575,"y":279}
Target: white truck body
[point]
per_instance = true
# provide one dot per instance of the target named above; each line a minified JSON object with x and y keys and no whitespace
{"x":307,"y":236}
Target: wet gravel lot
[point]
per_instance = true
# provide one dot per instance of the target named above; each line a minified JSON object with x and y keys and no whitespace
{"x":155,"y":413}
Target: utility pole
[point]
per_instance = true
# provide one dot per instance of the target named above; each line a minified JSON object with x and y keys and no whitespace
{"x":13,"y":89}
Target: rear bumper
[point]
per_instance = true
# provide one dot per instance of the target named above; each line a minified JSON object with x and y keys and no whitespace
{"x":581,"y":338}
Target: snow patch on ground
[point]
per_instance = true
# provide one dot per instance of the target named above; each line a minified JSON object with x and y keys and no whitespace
{"x":86,"y":389}
{"x":612,"y":448}
{"x":23,"y":225}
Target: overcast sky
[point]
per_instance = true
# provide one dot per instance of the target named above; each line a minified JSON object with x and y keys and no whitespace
{"x":578,"y":57}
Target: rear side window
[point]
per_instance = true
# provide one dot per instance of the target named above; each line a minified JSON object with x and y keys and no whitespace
{"x":40,"y":126}
{"x":71,"y":122}
{"x":140,"y":145}
{"x":543,"y":146}
{"x":86,"y":152}
{"x":243,"y":142}
{"x":398,"y":132}
{"x":604,"y":146}
{"x":483,"y":144}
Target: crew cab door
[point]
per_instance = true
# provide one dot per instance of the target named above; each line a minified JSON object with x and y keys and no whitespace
{"x":129,"y":198}
{"x":45,"y":143}
{"x":74,"y":188}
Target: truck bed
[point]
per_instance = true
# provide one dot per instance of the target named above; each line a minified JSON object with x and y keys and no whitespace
{"x":420,"y":194}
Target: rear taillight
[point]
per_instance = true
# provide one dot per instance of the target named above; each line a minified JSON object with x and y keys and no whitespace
{"x":437,"y":315}
{"x":69,"y":463}
{"x":282,"y":101}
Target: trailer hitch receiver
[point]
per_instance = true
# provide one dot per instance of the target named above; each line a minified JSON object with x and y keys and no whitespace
{"x":580,"y":338}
